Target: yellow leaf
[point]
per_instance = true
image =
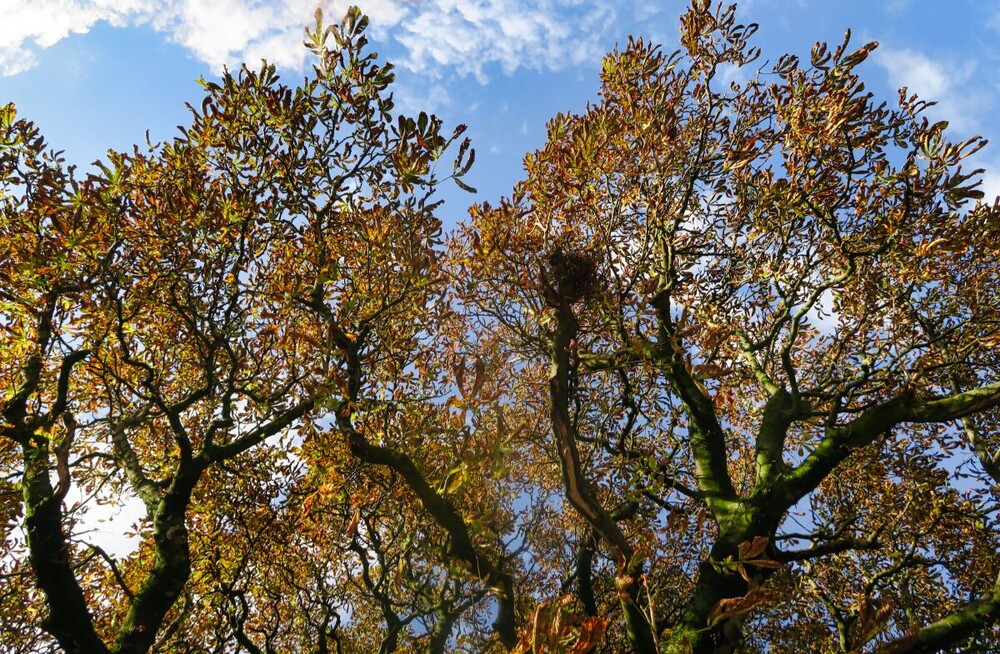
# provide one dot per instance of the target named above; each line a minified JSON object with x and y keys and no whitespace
{"x":352,"y":526}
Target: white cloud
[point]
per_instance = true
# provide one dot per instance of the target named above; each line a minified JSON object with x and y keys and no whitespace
{"x":471,"y":35}
{"x":15,"y":59}
{"x":31,"y":24}
{"x":821,"y":315}
{"x":991,"y":181}
{"x":944,"y":82}
{"x":964,"y":97}
{"x":465,"y":36}
{"x":645,"y":11}
{"x":915,"y":71}
{"x":217,"y":30}
{"x":411,"y":99}
{"x":993,"y":19}
{"x":105,"y":523}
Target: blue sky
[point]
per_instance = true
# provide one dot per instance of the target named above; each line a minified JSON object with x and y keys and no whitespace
{"x":96,"y":74}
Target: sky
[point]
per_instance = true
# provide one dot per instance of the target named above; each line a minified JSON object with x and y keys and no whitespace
{"x":97,"y":74}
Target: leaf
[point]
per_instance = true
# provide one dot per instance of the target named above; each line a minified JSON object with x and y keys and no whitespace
{"x":733,"y":607}
{"x":479,"y":369}
{"x":352,"y":527}
{"x":456,"y":481}
{"x":754,"y":548}
{"x":465,"y":187}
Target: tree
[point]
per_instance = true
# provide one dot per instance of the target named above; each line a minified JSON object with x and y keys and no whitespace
{"x":721,"y":374}
{"x":195,"y":312}
{"x":764,"y":315}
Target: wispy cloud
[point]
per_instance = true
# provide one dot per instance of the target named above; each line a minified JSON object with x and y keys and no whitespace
{"x":941,"y":81}
{"x":31,"y":24}
{"x":991,"y":183}
{"x":963,"y":99}
{"x":896,"y":6}
{"x":468,"y":37}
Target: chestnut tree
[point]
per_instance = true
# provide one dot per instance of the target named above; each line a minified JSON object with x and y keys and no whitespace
{"x":721,"y":374}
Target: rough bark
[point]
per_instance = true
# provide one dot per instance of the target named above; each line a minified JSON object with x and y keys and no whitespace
{"x":69,"y":620}
{"x":952,"y":629}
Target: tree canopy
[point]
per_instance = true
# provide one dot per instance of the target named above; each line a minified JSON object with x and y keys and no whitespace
{"x":721,"y":374}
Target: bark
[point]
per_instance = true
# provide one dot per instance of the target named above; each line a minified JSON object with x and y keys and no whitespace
{"x":441,"y":633}
{"x":461,"y":547}
{"x":580,"y":494}
{"x":840,"y":441}
{"x":584,"y":572}
{"x":952,"y":629}
{"x":69,"y":620}
{"x":707,"y":436}
{"x":713,"y":587}
{"x":170,"y":573}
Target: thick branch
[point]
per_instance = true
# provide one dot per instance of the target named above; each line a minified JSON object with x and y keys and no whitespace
{"x":443,"y":628}
{"x":708,"y":439}
{"x":577,"y":486}
{"x":165,"y":583}
{"x":781,"y":410}
{"x":956,"y":406}
{"x":260,"y":433}
{"x":839,"y":441}
{"x":15,"y":410}
{"x":62,"y":386}
{"x":584,"y":572}
{"x":826,"y":549}
{"x":460,"y":546}
{"x":69,"y":620}
{"x":989,"y":460}
{"x":147,"y":490}
{"x":951,"y":629}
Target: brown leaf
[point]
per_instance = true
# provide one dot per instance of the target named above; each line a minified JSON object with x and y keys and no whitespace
{"x":736,"y":606}
{"x":352,"y":526}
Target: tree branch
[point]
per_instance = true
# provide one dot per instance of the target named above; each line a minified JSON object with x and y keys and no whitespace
{"x":952,"y":629}
{"x":578,"y":489}
{"x":839,"y":441}
{"x":69,"y":620}
{"x":460,"y":545}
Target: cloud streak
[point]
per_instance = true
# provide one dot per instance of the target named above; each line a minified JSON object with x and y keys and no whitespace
{"x":962,"y":98}
{"x":468,"y":37}
{"x":945,"y":82}
{"x":28,"y":25}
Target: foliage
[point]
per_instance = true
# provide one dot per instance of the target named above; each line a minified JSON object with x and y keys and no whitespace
{"x":720,"y":375}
